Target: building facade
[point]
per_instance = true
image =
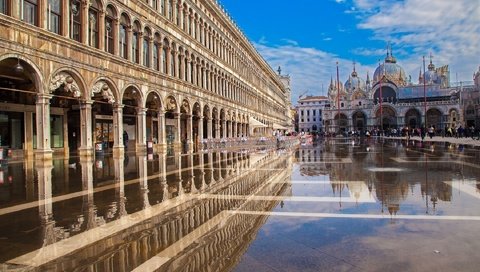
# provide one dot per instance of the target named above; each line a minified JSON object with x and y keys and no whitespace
{"x":392,"y":101}
{"x":310,"y":110}
{"x":78,"y":74}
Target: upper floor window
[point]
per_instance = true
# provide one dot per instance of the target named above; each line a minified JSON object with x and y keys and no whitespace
{"x":29,"y":9}
{"x":135,"y":42}
{"x":75,"y":20}
{"x":146,"y":49}
{"x":54,"y":16}
{"x":162,"y":7}
{"x":93,"y":24}
{"x":4,"y":5}
{"x":109,"y":31}
{"x":156,"y":56}
{"x":170,"y":9}
{"x":123,"y":39}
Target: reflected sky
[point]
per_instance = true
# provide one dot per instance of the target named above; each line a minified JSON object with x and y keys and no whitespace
{"x":339,"y":205}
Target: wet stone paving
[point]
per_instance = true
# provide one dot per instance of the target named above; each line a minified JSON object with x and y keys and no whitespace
{"x":339,"y":205}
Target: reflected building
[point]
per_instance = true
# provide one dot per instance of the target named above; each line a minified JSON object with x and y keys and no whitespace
{"x":119,"y":223}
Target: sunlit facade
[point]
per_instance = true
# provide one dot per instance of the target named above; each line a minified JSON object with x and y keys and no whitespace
{"x":78,"y":75}
{"x":392,"y":101}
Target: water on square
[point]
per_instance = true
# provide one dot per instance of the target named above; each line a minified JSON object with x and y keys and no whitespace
{"x":340,"y":205}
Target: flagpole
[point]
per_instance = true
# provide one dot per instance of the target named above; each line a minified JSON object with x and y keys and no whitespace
{"x":424,"y":94}
{"x":381,"y":98}
{"x":338,"y":100}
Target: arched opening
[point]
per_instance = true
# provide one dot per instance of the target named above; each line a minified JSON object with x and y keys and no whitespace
{"x":18,"y":85}
{"x":453,"y":118}
{"x":359,"y":121}
{"x":131,"y":102}
{"x":171,"y":124}
{"x":386,"y":118}
{"x":413,"y":118}
{"x":206,"y":119}
{"x":65,"y":109}
{"x":102,"y":113}
{"x":197,"y":132}
{"x":185,"y":125}
{"x":341,"y":123}
{"x":93,"y":23}
{"x":434,"y":118}
{"x":154,"y":108}
{"x":388,"y":94}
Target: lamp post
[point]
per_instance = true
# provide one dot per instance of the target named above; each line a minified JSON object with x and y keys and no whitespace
{"x":424,"y":94}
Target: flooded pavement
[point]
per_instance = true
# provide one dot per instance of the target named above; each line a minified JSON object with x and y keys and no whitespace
{"x":342,"y":205}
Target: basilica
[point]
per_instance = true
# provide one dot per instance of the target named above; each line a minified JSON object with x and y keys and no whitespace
{"x":390,"y":100}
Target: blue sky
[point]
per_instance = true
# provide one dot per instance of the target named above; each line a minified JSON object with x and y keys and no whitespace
{"x":307,"y":37}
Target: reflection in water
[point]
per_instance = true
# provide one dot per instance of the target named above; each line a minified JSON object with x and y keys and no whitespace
{"x":202,"y":211}
{"x":163,"y":195}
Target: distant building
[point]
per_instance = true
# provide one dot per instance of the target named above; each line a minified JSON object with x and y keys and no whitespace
{"x":309,"y":110}
{"x":392,"y":100}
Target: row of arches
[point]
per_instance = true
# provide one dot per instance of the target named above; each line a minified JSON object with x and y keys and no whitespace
{"x":119,"y":31}
{"x":388,"y":118}
{"x":66,"y":112}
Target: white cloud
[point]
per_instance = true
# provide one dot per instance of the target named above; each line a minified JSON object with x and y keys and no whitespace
{"x":309,"y":68}
{"x":327,"y":39}
{"x":449,"y":29}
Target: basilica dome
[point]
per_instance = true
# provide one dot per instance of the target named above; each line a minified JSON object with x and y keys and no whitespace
{"x":354,"y":83}
{"x":391,"y":70}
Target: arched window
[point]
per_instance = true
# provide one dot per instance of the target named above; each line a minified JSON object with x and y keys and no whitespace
{"x":186,"y":63}
{"x":172,"y":63}
{"x":164,"y":58}
{"x":123,"y":39}
{"x":109,"y":19}
{"x":4,"y":6}
{"x":179,"y":70}
{"x":179,"y":15}
{"x":75,"y":20}
{"x":170,"y":9}
{"x":156,"y":53}
{"x":146,"y":47}
{"x":162,"y":7}
{"x":135,"y":43}
{"x":29,"y":11}
{"x":54,"y":18}
{"x":93,"y":24}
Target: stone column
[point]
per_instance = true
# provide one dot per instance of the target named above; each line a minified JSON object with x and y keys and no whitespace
{"x":101,"y":30}
{"x":190,"y":132}
{"x":234,"y":128}
{"x":174,"y":11}
{"x":150,"y":53}
{"x":29,"y":134}
{"x":200,"y":133}
{"x":141,"y":140}
{"x":194,"y":78}
{"x":140,"y":47}
{"x":86,"y":142}
{"x":118,"y":147}
{"x":209,"y":128}
{"x":178,"y":139}
{"x":44,"y":150}
{"x":162,"y":141}
{"x":116,"y":34}
{"x":85,"y":25}
{"x":129,"y":43}
{"x":217,"y":129}
{"x":224,"y":128}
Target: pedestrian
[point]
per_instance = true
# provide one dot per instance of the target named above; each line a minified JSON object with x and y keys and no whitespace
{"x":431,"y":132}
{"x":125,"y":139}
